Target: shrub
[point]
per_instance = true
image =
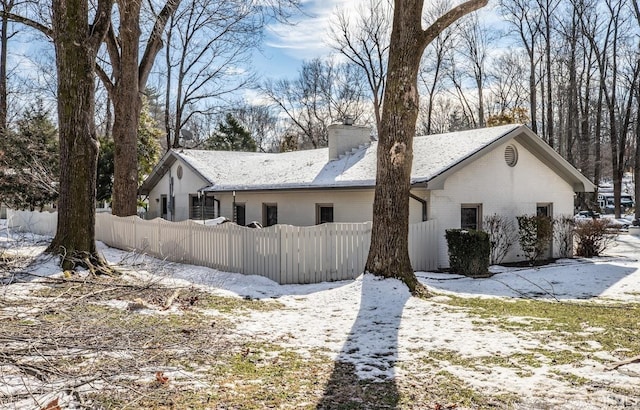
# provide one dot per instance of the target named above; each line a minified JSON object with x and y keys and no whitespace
{"x":468,"y":252}
{"x":563,"y":233}
{"x":534,"y":234}
{"x":593,"y":237}
{"x":502,"y":235}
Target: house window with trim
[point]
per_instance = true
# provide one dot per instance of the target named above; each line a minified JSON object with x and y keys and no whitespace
{"x":201,"y":207}
{"x":471,"y":216}
{"x":269,"y":214}
{"x":163,"y":206}
{"x":240,"y":214}
{"x":324,"y":213}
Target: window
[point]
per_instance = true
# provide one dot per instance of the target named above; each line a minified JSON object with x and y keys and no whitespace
{"x":324,"y":213}
{"x":165,"y":206}
{"x":269,"y":214}
{"x":544,"y":210}
{"x":471,"y":216}
{"x":240,"y":214}
{"x":201,"y":207}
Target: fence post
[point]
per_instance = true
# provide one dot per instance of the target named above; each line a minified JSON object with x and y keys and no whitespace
{"x":282,"y":259}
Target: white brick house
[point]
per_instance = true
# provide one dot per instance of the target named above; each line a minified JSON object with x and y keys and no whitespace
{"x":457,"y":178}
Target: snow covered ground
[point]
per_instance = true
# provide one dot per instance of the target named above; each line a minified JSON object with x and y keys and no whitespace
{"x":385,"y":333}
{"x":378,"y":327}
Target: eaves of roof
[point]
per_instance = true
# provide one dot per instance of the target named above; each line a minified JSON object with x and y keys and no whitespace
{"x":535,"y":145}
{"x":161,"y":168}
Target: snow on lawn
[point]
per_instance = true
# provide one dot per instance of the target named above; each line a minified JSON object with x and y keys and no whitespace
{"x":376,"y":326}
{"x":385,"y":333}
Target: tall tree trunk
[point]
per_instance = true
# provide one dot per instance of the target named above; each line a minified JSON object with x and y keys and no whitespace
{"x":127,"y":104}
{"x":547,"y":52}
{"x":167,"y":96}
{"x":636,"y":168}
{"x":130,"y":82}
{"x":389,"y":251}
{"x":4,"y":39}
{"x":597,"y":166}
{"x":76,"y":52}
{"x":533,"y":103}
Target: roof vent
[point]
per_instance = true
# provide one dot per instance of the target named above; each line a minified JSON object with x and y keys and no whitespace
{"x":347,"y":121}
{"x":511,"y":155}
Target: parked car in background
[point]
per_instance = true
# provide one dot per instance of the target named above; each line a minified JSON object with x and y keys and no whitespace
{"x":585,"y":215}
{"x":606,"y":202}
{"x":613,"y":223}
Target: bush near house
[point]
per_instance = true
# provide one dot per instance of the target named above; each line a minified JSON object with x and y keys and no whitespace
{"x":593,"y":237}
{"x":468,"y":252}
{"x":563,"y":234}
{"x":502,"y":236}
{"x":534,"y":235}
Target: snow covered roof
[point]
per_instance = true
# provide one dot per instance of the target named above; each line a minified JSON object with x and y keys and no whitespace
{"x":434,"y":157}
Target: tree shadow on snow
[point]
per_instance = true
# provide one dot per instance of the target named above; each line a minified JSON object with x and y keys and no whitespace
{"x":364,"y":372}
{"x":563,"y":280}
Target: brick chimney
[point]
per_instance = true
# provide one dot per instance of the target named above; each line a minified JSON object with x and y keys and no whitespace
{"x":345,"y":137}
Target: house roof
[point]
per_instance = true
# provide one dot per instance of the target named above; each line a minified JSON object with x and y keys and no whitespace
{"x":435,"y":157}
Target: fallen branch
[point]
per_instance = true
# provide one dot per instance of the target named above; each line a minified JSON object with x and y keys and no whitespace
{"x":615,"y":365}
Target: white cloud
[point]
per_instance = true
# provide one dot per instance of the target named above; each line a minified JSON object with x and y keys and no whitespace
{"x":308,"y":37}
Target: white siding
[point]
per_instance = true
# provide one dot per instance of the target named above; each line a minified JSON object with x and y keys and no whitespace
{"x":298,"y":208}
{"x":503,"y":190}
{"x":190,"y":183}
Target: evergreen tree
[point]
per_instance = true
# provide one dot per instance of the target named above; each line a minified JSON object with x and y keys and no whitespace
{"x":231,"y":136}
{"x":148,"y":154}
{"x":29,"y":166}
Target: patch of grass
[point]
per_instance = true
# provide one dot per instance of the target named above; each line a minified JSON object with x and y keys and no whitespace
{"x":521,"y":362}
{"x":456,"y":391}
{"x":233,"y":304}
{"x":613,"y":326}
{"x":516,"y":361}
{"x":571,"y":378}
{"x":561,"y":357}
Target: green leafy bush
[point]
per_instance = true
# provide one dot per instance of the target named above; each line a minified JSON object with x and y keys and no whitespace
{"x":535,"y":233}
{"x":469,"y":252}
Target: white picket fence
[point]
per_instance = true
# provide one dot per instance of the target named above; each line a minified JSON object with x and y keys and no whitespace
{"x":283,"y":253}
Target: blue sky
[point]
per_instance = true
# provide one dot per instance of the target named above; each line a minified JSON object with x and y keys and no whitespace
{"x":287,"y":46}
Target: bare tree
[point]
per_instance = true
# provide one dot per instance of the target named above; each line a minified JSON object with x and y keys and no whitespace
{"x":260,"y":121}
{"x":636,"y":169}
{"x":433,"y":69}
{"x":618,"y":99}
{"x":7,"y":7}
{"x":389,"y":253}
{"x":125,"y":84}
{"x":547,"y":10}
{"x":324,"y":92}
{"x":475,"y":40}
{"x":209,"y":42}
{"x":76,"y":44}
{"x":365,"y":42}
{"x":524,"y":17}
{"x":508,"y":90}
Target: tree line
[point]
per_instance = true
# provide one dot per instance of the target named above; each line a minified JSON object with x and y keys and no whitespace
{"x":568,"y":68}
